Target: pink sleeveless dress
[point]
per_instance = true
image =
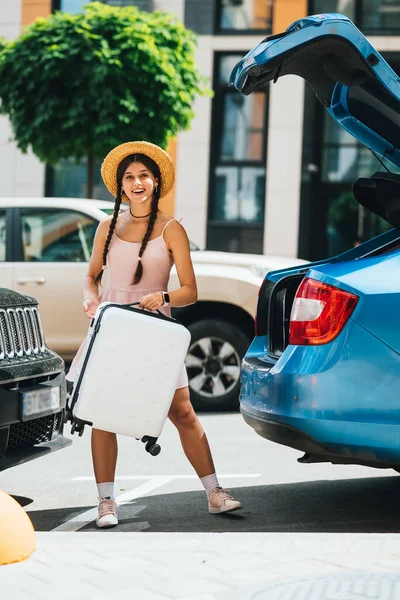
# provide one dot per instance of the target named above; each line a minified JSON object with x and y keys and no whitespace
{"x":121,"y":265}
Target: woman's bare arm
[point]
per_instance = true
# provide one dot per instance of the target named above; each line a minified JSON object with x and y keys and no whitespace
{"x":177,"y":241}
{"x":90,"y":289}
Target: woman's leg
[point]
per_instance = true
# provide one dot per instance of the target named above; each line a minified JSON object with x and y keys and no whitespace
{"x":197,"y":450}
{"x":193,"y":439}
{"x":104,"y":454}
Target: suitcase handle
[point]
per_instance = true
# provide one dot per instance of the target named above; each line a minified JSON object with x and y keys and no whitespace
{"x":152,"y":311}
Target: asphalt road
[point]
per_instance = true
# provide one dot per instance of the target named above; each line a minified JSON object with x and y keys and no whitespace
{"x":163,"y":494}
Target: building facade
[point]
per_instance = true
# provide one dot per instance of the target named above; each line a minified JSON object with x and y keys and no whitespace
{"x":268,"y":173}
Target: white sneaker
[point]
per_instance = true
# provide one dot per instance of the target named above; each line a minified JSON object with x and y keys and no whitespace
{"x":220,"y":501}
{"x":107,"y":516}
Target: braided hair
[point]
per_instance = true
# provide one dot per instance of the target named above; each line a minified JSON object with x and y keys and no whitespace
{"x":124,"y":164}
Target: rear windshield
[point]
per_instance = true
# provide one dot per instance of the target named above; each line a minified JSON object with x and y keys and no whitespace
{"x":378,"y":109}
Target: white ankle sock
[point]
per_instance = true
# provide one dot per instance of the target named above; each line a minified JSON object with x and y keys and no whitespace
{"x":106,"y":490}
{"x":209,"y":482}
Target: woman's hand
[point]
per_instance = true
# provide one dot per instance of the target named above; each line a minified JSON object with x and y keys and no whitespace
{"x":152,"y":301}
{"x":90,"y":306}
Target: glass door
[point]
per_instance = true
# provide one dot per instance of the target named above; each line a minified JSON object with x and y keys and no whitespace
{"x":238,"y":165}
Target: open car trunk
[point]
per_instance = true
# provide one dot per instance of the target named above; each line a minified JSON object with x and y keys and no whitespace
{"x":354,"y":83}
{"x":380,"y":193}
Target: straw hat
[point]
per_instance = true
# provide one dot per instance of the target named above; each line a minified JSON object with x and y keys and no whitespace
{"x":117,"y":154}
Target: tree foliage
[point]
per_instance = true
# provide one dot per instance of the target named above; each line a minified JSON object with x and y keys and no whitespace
{"x":78,"y":85}
{"x":3,"y":45}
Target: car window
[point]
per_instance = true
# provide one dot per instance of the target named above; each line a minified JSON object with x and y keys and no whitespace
{"x":2,"y":235}
{"x":57,"y":235}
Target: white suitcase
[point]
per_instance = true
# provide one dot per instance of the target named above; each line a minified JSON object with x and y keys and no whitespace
{"x":129,"y":372}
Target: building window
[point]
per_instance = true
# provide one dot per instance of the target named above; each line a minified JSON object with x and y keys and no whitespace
{"x":68,"y":179}
{"x":244,"y":16}
{"x":238,"y":165}
{"x":69,"y":6}
{"x":76,"y":6}
{"x":373,"y":17}
{"x":147,"y":5}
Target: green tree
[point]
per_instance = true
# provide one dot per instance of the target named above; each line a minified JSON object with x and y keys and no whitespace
{"x":78,"y":85}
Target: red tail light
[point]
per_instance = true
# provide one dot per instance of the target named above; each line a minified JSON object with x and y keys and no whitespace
{"x":319,"y":313}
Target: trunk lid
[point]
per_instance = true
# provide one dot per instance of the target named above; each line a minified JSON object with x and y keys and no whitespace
{"x":349,"y":76}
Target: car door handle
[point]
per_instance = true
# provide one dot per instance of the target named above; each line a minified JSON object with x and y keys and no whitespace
{"x":38,"y":280}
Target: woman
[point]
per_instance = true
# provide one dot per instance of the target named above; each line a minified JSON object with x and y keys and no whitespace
{"x":139,"y":247}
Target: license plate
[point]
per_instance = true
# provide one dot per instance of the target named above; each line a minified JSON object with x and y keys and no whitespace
{"x":40,"y":401}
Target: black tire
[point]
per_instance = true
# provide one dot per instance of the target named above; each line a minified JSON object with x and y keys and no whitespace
{"x":216,"y":347}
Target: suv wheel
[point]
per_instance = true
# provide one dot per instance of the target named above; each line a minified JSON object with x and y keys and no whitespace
{"x":213,"y":364}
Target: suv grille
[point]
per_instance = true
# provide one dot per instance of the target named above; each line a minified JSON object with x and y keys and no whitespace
{"x":23,"y":435}
{"x":21,"y":332}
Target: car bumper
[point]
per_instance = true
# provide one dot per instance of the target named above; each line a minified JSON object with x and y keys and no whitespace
{"x":23,"y":436}
{"x":338,"y":400}
{"x":26,"y":454}
{"x":11,"y":400}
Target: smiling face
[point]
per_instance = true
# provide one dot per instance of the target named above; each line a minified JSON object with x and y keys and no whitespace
{"x":138,"y":183}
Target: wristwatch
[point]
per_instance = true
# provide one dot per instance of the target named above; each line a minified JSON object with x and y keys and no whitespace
{"x":166,"y":298}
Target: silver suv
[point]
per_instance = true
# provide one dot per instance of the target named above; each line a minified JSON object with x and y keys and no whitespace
{"x":49,"y":242}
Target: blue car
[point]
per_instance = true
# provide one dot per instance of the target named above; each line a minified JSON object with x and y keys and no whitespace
{"x":323,"y":372}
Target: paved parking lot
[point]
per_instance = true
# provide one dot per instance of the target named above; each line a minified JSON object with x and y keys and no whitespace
{"x":297,"y":521}
{"x":156,"y":566}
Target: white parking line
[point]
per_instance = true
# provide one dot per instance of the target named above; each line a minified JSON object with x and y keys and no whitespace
{"x":88,"y":516}
{"x":155,"y":482}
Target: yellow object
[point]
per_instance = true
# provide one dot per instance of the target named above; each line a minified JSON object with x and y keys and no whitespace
{"x":117,"y":154}
{"x":17,"y":535}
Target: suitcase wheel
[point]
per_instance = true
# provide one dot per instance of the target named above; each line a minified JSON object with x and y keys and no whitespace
{"x":78,"y":427}
{"x":153,"y":449}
